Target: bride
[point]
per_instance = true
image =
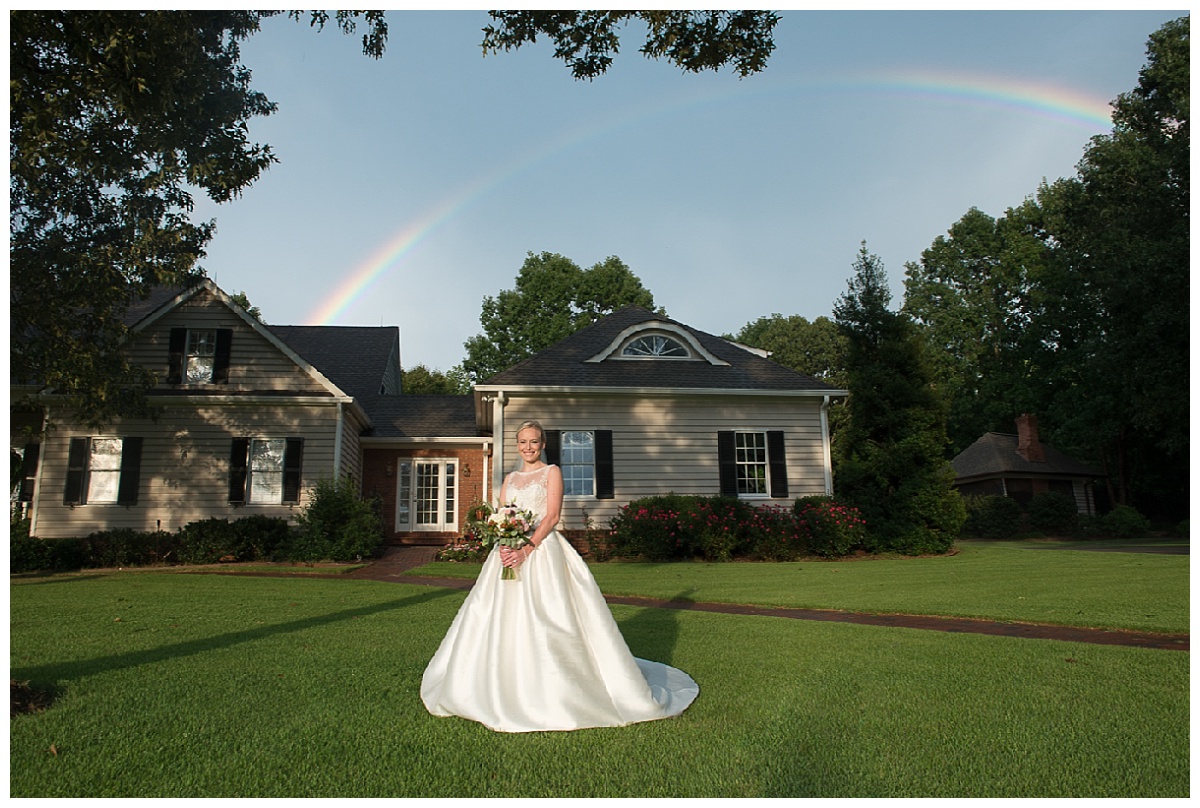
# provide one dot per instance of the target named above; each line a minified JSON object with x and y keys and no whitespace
{"x":543,"y":652}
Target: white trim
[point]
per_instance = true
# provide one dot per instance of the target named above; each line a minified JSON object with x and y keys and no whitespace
{"x":374,"y":442}
{"x":662,"y":391}
{"x":650,"y":326}
{"x":442,"y":526}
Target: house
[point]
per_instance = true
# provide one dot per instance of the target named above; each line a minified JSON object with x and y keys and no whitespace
{"x":253,"y":416}
{"x":1020,"y":466}
{"x":638,"y":404}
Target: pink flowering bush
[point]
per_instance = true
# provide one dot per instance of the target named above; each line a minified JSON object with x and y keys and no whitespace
{"x":675,"y":527}
{"x":833,"y":530}
{"x":467,"y":548}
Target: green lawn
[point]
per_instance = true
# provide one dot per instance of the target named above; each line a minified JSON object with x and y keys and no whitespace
{"x":997,"y":581}
{"x":214,"y":686}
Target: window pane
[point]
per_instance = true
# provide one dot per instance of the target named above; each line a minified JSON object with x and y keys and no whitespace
{"x":654,"y":345}
{"x":425,"y":495}
{"x":751,"y":458}
{"x":266,"y":469}
{"x":202,"y":347}
{"x":104,"y":469}
{"x":577,"y":459}
{"x":451,"y":497}
{"x":404,"y":494}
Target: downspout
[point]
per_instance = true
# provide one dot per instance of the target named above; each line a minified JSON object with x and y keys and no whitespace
{"x":337,"y":444}
{"x":498,"y":402}
{"x":826,"y":452}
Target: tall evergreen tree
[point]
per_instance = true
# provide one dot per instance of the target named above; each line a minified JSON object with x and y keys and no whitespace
{"x":890,"y":457}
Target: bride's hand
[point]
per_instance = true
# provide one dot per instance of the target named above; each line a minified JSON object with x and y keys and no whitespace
{"x":510,"y":557}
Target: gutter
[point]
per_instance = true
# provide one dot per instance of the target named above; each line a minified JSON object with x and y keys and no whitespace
{"x":667,"y":391}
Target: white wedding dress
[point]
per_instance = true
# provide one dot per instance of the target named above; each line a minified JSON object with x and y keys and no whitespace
{"x":543,"y":652}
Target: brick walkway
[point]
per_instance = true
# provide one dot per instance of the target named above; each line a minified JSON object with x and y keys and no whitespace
{"x":397,"y":561}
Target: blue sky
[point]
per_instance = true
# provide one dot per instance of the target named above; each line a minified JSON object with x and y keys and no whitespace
{"x":411,"y":187}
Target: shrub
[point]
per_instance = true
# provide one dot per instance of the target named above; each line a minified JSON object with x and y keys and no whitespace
{"x":778,"y":535}
{"x":674,"y":527}
{"x":206,"y":541}
{"x":832,"y":530}
{"x":463,"y":549}
{"x":1123,"y":522}
{"x":337,"y":524}
{"x":125,"y":547}
{"x":260,"y":538}
{"x":1053,"y":513}
{"x":721,"y":527}
{"x":653,"y":528}
{"x":992,"y":517}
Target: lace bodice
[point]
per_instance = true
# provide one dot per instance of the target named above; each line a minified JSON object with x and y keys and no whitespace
{"x":527,"y":490}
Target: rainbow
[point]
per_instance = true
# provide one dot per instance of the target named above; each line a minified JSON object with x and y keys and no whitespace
{"x":1058,"y":103}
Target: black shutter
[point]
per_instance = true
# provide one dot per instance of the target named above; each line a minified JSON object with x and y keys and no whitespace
{"x":76,"y":471}
{"x":237,"y":470}
{"x":292,"y":457}
{"x":777,"y":459}
{"x":177,"y":347}
{"x":220,"y":373}
{"x":131,"y":471}
{"x":29,"y":467}
{"x":727,"y":464}
{"x":553,"y":446}
{"x":604,"y":464}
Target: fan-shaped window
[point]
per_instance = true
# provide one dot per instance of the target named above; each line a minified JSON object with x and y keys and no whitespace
{"x":656,"y":345}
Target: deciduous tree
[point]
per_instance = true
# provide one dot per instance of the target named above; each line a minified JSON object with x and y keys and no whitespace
{"x":553,"y":299}
{"x":115,"y":119}
{"x":692,"y":40}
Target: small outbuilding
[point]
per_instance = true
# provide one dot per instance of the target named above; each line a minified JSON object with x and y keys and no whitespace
{"x":1020,"y":466}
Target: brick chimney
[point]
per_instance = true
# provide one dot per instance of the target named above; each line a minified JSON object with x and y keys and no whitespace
{"x":1028,"y":445}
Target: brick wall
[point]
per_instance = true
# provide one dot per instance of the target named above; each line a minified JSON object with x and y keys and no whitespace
{"x":379,"y":479}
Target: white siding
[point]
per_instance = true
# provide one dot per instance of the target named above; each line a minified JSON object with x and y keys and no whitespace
{"x":185,"y":466}
{"x":255,"y":364}
{"x":669,"y":444}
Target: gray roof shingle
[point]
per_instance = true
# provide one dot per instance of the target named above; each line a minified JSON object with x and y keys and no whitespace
{"x":995,"y":454}
{"x":421,"y":416}
{"x":355,"y":358}
{"x":565,"y":364}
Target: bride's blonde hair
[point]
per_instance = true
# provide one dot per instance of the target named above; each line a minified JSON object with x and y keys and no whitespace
{"x":531,"y":424}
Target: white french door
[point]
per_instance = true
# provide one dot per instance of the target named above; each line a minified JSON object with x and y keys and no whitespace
{"x":427,"y":495}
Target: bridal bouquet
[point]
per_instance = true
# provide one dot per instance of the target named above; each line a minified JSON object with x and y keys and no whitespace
{"x":507,"y":526}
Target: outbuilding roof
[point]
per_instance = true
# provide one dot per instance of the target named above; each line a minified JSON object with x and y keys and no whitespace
{"x":995,"y":455}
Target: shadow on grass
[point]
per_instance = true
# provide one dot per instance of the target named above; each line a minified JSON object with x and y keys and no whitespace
{"x":53,"y":676}
{"x":652,"y":632}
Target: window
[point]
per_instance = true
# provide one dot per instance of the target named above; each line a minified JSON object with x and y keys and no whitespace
{"x":427,"y":495}
{"x":586,"y":461}
{"x":265,"y":471}
{"x":199,"y":355}
{"x":103,"y":471}
{"x":28,"y":473}
{"x":577,"y":459}
{"x":751,"y":460}
{"x":752,"y":464}
{"x":655,"y":345}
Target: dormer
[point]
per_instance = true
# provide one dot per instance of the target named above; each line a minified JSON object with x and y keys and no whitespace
{"x":656,"y":341}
